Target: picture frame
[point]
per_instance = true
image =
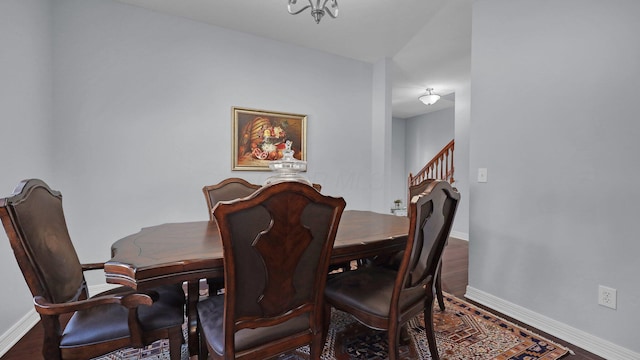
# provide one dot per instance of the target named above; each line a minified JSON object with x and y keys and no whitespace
{"x":258,"y":137}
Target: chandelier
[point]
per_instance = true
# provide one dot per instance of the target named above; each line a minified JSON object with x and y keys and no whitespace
{"x":317,"y":10}
{"x":429,"y":98}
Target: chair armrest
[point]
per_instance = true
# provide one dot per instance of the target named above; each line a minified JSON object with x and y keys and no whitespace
{"x":92,"y":266}
{"x":129,"y":300}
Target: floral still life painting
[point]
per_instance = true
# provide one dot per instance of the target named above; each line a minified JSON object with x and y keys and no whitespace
{"x":260,"y":137}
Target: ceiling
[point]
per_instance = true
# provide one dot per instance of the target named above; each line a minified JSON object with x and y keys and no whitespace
{"x":427,"y":41}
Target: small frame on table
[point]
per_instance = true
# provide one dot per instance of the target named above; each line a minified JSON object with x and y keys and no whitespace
{"x":259,"y":137}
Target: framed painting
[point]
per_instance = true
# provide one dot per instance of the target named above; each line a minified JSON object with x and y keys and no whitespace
{"x":259,"y":137}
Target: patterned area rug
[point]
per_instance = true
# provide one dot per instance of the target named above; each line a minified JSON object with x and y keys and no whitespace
{"x":463,"y":332}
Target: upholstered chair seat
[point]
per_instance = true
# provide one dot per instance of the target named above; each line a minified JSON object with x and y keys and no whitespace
{"x":245,"y":339}
{"x":369,"y":290}
{"x":166,"y":312}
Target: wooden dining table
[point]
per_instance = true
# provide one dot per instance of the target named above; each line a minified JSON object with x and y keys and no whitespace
{"x":187,"y":252}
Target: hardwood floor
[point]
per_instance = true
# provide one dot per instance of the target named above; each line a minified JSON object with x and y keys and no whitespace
{"x":454,"y":281}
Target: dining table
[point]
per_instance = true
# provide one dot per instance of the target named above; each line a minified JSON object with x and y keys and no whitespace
{"x":187,"y":252}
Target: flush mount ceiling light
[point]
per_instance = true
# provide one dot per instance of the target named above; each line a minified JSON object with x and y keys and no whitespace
{"x":429,"y":98}
{"x":317,"y":10}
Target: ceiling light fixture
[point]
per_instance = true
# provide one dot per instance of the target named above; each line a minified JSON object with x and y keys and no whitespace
{"x":429,"y":98}
{"x":317,"y":10}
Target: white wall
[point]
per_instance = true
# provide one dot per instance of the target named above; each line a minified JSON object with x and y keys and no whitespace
{"x":25,"y":122}
{"x":461,"y":159}
{"x":399,"y":172}
{"x":554,"y":118}
{"x":381,"y":137}
{"x":426,"y":135}
{"x":143,"y":115}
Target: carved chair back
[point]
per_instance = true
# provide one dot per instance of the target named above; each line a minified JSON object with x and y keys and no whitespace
{"x":277,"y":246}
{"x":34,"y":221}
{"x":429,"y":230}
{"x":227,"y":189}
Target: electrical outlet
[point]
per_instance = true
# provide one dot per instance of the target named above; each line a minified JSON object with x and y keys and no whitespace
{"x":607,"y":297}
{"x":482,"y":175}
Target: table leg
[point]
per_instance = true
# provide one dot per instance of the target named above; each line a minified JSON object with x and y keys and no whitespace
{"x":193,"y":294}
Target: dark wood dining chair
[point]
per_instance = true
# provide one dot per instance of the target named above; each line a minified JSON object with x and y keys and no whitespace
{"x":393,"y":260}
{"x":385,"y":299}
{"x":231,"y":189}
{"x":277,"y":245}
{"x":414,"y":190}
{"x":34,"y":221}
{"x":227,"y":189}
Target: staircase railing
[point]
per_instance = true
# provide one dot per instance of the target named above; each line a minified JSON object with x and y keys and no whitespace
{"x":440,"y":167}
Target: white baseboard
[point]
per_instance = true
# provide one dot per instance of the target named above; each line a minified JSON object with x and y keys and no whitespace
{"x":593,"y":344}
{"x":460,"y":235}
{"x":30,"y":319}
{"x":18,"y":330}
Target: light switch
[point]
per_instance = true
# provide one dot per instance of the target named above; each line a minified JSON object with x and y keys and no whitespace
{"x":482,"y":175}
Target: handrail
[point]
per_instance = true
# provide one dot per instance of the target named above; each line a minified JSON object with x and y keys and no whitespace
{"x":440,"y":167}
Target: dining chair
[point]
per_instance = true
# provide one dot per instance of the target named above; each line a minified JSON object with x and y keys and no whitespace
{"x":231,"y":189}
{"x":277,"y":245}
{"x":34,"y":221}
{"x":413,"y":191}
{"x":393,"y":260}
{"x":386,"y":299}
{"x":227,"y":189}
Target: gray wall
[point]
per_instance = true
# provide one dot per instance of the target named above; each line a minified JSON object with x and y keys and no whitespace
{"x":141,"y":120}
{"x":426,"y":135}
{"x":141,"y":106}
{"x":554,"y":118}
{"x":381,"y":137}
{"x":461,"y":158}
{"x":398,"y":170}
{"x":148,"y":102}
{"x":418,"y":139}
{"x":25,"y":123}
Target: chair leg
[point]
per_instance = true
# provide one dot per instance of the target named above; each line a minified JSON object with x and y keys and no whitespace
{"x":394,"y":336}
{"x":439,"y":289}
{"x":50,"y":348}
{"x":316,"y":346}
{"x":203,"y":353}
{"x":428,"y":327}
{"x":176,"y":340}
{"x":326,"y":322}
{"x":203,"y":350}
{"x":404,"y":339}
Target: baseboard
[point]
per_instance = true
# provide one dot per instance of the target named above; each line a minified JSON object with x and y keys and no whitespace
{"x":460,"y":235}
{"x":18,"y":330}
{"x":593,"y":344}
{"x":30,"y":319}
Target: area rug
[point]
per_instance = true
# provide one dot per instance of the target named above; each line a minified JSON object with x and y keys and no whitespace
{"x":463,"y":332}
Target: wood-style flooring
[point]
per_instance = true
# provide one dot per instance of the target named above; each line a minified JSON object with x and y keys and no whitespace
{"x":454,"y":281}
